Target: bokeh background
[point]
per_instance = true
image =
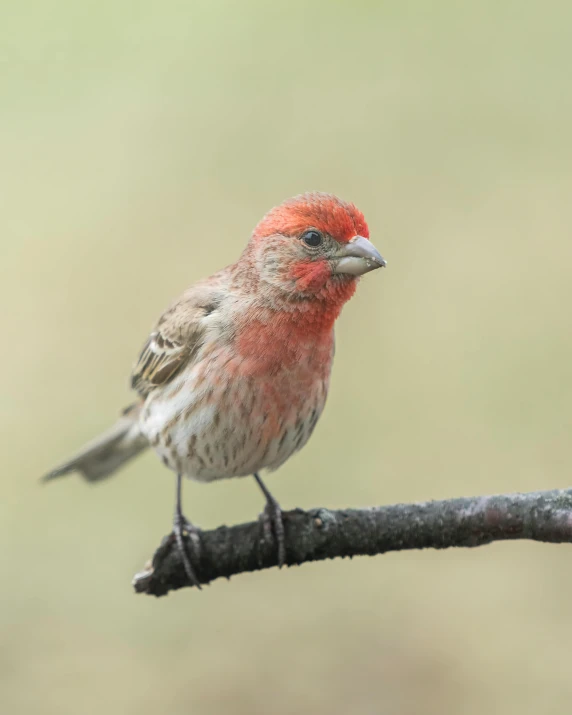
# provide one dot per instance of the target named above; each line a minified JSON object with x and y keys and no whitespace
{"x":140,"y":143}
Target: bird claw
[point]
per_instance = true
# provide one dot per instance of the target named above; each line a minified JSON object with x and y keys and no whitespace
{"x":271,"y":520}
{"x":181,"y":528}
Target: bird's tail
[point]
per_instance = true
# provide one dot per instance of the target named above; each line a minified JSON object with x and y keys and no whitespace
{"x":103,"y":455}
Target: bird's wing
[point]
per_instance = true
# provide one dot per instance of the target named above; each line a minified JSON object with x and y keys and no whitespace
{"x":177,"y":337}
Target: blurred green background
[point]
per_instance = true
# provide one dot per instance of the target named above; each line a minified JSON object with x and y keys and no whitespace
{"x":140,"y":144}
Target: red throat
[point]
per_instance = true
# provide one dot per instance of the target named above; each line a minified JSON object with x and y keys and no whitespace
{"x":289,"y":337}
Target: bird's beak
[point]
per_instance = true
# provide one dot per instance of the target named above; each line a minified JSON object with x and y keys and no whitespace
{"x":358,"y":256}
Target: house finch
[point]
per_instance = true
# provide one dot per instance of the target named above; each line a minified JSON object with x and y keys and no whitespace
{"x":235,"y":375}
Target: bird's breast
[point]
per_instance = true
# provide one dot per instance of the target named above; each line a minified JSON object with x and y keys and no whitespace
{"x":231,"y":413}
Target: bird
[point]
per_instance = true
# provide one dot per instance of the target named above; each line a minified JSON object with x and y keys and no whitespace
{"x":234,"y":376}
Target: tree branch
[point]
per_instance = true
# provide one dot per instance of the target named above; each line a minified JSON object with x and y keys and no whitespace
{"x":323,"y":534}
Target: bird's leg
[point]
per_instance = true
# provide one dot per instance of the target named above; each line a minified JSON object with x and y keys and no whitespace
{"x":180,"y":526}
{"x":272,"y":517}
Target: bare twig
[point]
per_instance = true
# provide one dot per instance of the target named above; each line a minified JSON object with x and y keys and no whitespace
{"x":323,"y":534}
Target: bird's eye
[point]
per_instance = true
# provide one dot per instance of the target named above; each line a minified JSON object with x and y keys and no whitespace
{"x":312,"y":238}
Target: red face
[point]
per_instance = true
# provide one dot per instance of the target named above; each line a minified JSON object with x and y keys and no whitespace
{"x":314,"y":246}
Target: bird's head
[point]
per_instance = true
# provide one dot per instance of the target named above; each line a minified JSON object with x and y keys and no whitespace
{"x":313,"y":247}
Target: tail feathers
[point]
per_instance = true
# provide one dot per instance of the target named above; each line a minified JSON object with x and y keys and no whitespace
{"x":103,"y":455}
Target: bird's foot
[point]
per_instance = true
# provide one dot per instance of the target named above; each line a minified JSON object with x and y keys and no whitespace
{"x":272,"y":519}
{"x":181,"y":528}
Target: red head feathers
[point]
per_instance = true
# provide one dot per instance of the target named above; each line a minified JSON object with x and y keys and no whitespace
{"x":327,"y":213}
